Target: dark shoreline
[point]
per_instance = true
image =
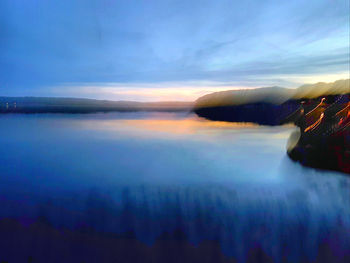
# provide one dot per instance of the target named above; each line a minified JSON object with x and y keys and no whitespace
{"x":324,"y":124}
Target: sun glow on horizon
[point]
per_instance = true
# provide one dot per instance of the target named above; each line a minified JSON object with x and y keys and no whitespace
{"x":181,"y":91}
{"x":148,"y":93}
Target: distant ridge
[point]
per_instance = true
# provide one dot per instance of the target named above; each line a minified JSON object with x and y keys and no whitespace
{"x":79,"y":105}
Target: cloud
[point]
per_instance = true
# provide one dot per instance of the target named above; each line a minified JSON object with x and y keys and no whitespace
{"x":244,"y":43}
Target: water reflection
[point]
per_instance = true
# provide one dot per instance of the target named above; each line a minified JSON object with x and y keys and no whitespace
{"x":186,"y":126}
{"x":156,"y":178}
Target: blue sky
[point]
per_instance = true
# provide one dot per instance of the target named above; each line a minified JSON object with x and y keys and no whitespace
{"x":152,"y":50}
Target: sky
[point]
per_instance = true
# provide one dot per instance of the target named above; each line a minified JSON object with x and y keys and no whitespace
{"x":154,"y":50}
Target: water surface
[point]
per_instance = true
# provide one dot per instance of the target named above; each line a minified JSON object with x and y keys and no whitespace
{"x":155,"y":173}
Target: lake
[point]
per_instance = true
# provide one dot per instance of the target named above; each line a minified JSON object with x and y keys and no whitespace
{"x":148,"y":186}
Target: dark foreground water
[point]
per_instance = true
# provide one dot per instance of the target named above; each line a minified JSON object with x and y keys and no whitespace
{"x":161,"y":187}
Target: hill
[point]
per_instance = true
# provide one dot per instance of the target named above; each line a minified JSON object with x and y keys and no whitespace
{"x":269,"y":106}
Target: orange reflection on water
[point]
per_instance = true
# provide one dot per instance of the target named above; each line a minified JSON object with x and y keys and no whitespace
{"x":183,"y":126}
{"x":161,"y":124}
